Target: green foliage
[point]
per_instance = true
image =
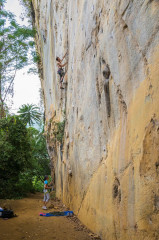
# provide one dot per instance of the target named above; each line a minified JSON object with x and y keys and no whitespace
{"x":15,"y":154}
{"x":38,"y":184}
{"x":24,"y":184}
{"x":14,"y":44}
{"x":59,"y":131}
{"x":30,"y":114}
{"x":40,"y":157}
{"x":23,"y":158}
{"x":37,"y":58}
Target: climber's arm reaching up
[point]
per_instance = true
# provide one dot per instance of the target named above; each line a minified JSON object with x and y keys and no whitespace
{"x":64,"y":56}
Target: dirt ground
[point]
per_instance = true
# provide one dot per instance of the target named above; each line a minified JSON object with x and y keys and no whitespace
{"x":29,"y":225}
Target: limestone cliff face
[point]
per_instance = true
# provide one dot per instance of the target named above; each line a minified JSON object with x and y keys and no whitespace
{"x":108,"y":169}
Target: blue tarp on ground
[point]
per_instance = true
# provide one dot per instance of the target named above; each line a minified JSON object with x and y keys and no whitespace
{"x":57,"y":214}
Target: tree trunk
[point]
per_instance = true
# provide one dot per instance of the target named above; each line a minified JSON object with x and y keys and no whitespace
{"x":1,"y":100}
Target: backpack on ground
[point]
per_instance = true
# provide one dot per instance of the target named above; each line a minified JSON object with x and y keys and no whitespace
{"x":5,"y":213}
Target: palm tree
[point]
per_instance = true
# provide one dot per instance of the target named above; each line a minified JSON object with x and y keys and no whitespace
{"x":30,"y":114}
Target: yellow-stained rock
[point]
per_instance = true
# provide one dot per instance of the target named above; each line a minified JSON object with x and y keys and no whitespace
{"x":107,"y":168}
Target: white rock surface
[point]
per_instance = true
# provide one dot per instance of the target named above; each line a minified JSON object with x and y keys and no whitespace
{"x":111,"y":101}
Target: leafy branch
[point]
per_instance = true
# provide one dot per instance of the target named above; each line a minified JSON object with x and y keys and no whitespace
{"x":17,"y":50}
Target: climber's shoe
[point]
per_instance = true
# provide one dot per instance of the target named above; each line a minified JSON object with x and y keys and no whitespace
{"x":44,"y":208}
{"x":62,"y":88}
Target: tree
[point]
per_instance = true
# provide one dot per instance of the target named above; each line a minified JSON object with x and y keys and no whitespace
{"x":30,"y":114}
{"x":23,"y":158}
{"x":28,"y":10}
{"x":17,"y":49}
{"x":15,"y":154}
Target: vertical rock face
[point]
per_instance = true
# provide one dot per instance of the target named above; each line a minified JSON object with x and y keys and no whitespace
{"x":107,"y":170}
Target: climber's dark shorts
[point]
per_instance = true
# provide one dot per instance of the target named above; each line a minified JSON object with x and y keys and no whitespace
{"x":61,"y":73}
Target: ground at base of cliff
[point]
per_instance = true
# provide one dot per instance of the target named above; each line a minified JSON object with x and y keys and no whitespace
{"x":29,"y":225}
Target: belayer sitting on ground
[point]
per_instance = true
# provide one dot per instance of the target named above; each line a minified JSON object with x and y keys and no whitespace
{"x":61,"y":71}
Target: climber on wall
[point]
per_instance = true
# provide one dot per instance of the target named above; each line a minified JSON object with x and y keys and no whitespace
{"x":61,"y":71}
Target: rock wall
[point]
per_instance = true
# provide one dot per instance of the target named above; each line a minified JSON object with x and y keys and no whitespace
{"x":107,"y":170}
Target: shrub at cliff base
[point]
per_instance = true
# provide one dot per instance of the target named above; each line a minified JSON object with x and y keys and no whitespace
{"x":24,"y":158}
{"x":15,"y":158}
